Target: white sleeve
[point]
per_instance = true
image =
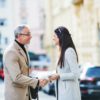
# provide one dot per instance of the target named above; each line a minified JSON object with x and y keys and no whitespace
{"x":71,"y":59}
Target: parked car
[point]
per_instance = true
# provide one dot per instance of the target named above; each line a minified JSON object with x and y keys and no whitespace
{"x":39,"y":61}
{"x":1,"y":74}
{"x":90,"y":83}
{"x":49,"y":88}
{"x":1,"y":67}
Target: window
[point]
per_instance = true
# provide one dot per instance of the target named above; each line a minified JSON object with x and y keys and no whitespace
{"x":0,"y":38}
{"x":41,"y":39}
{"x":2,"y":3}
{"x":98,"y":30}
{"x":93,"y":72}
{"x":6,"y":40}
{"x":24,"y":20}
{"x":2,"y":21}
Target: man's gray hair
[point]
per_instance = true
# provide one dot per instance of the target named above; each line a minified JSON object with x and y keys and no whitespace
{"x":18,"y":30}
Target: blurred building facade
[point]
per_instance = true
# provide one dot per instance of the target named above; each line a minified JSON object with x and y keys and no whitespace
{"x":19,"y":12}
{"x":5,"y":23}
{"x":82,"y":18}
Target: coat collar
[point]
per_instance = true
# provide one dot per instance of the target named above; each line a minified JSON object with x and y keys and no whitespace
{"x":21,"y":52}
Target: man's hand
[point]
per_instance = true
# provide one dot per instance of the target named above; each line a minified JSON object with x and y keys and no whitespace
{"x":43,"y":82}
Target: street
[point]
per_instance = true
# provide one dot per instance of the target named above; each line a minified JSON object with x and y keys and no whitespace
{"x":42,"y":96}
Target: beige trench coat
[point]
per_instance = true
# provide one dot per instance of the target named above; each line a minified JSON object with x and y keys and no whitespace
{"x":16,"y":71}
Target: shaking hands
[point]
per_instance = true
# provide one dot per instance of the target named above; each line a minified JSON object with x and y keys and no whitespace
{"x":54,"y":77}
{"x":43,"y":82}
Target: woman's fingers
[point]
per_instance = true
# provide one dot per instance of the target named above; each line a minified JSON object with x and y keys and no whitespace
{"x":54,"y":77}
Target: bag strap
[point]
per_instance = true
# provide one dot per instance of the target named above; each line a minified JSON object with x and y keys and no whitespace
{"x":57,"y":86}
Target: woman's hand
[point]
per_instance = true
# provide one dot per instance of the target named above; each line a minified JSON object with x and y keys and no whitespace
{"x":54,"y":77}
{"x":43,"y":82}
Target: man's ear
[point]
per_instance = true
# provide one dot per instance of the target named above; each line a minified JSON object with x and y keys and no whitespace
{"x":17,"y":36}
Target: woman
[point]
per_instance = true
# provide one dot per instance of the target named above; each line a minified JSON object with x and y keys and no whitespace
{"x":67,"y":70}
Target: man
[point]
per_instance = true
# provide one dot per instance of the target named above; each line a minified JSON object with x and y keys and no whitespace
{"x":16,"y":67}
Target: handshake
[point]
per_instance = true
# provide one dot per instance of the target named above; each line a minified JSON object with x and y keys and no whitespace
{"x":43,"y":82}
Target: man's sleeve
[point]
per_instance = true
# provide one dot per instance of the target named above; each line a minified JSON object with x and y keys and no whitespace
{"x":12,"y":65}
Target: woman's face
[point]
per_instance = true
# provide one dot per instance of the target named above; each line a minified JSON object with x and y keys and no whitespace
{"x":56,"y":39}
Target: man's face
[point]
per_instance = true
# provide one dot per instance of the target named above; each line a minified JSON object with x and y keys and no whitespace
{"x":25,"y":36}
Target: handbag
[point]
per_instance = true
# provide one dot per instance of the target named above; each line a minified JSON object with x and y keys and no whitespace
{"x":34,"y":92}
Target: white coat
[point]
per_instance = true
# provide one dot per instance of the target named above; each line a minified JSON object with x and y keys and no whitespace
{"x":68,"y":84}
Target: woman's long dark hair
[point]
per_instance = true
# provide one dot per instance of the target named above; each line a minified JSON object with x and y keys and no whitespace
{"x":65,"y":41}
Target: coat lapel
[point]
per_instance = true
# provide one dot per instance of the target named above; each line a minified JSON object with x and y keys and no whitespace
{"x":28,"y":59}
{"x":21,"y":52}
